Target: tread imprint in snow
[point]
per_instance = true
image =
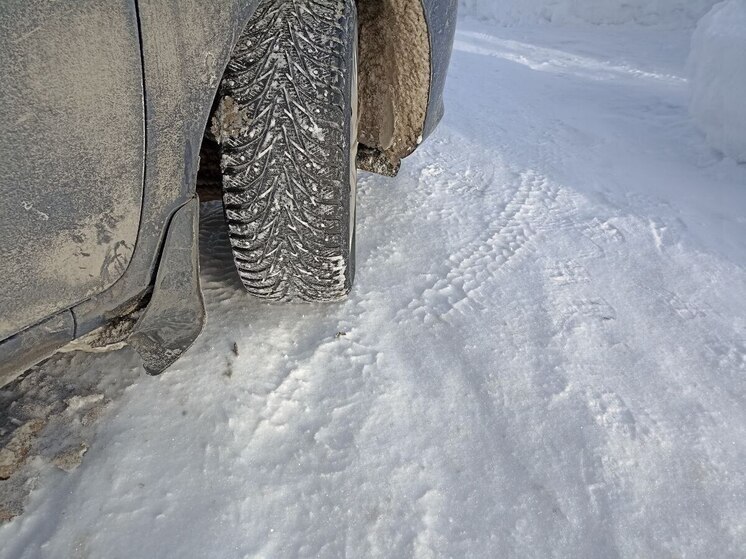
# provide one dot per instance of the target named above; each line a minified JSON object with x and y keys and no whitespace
{"x":286,"y":175}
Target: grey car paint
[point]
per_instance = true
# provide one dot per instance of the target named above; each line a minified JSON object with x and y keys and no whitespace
{"x":441,"y":26}
{"x":183,"y":46}
{"x":71,"y":195}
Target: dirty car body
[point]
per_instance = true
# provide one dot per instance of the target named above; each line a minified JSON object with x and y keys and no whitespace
{"x":104,"y":109}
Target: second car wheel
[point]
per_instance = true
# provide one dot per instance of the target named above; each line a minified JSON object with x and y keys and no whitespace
{"x":287,"y":126}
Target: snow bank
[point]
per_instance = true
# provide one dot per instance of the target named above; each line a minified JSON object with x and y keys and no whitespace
{"x":646,"y":12}
{"x":717,"y":70}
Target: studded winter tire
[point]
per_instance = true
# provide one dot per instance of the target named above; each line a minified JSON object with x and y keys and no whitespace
{"x":287,"y":127}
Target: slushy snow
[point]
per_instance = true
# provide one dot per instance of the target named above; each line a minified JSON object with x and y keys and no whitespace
{"x":717,"y":69}
{"x":544,"y":354}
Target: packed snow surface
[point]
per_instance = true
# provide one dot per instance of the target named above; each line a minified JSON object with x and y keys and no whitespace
{"x":647,"y":12}
{"x":717,"y":67}
{"x":544,"y":354}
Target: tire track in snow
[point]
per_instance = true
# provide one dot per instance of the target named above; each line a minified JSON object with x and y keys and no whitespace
{"x":472,"y":270}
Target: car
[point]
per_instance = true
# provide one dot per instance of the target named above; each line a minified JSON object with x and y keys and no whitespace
{"x":119,"y":116}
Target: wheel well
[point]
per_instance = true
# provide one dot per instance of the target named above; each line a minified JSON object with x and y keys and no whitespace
{"x":393,"y":89}
{"x":394,"y":81}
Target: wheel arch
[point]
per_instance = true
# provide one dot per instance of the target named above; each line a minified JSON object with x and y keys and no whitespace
{"x":394,"y":77}
{"x":185,"y":46}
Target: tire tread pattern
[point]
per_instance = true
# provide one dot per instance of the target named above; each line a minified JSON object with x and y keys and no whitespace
{"x":286,"y":176}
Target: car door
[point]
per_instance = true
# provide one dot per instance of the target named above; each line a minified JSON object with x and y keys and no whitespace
{"x":71,"y":152}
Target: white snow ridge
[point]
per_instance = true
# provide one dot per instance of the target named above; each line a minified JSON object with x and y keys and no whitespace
{"x":717,"y":67}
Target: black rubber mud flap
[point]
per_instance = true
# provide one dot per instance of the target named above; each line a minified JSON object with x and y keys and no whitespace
{"x":176,"y":313}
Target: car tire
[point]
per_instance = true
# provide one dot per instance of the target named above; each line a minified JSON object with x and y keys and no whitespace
{"x":287,"y":126}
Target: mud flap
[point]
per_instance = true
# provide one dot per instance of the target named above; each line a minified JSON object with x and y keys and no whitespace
{"x":176,"y":313}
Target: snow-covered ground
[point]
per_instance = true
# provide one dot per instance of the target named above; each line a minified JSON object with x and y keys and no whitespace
{"x":671,"y":13}
{"x":544,"y":354}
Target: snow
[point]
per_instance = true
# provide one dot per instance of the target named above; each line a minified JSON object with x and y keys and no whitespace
{"x":646,"y":12}
{"x":544,"y":354}
{"x":717,"y":66}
